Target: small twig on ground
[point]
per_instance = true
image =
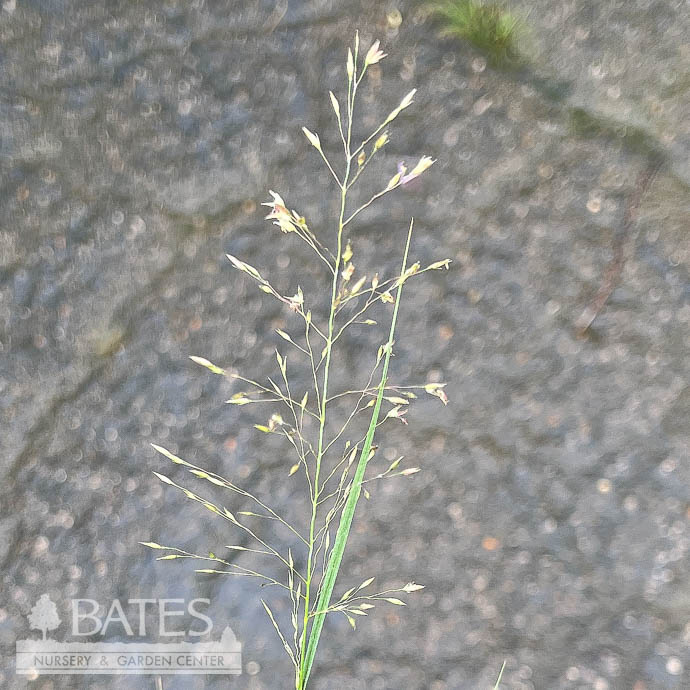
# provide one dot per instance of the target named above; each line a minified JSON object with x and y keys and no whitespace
{"x":614,"y":269}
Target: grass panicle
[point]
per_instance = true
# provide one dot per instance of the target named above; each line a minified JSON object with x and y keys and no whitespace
{"x":330,"y":455}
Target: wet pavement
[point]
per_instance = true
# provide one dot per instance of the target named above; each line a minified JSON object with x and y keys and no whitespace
{"x":550,"y":523}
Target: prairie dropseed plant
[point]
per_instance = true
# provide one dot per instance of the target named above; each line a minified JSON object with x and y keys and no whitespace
{"x":312,"y":422}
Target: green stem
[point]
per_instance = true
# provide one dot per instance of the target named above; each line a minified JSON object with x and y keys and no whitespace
{"x":353,"y":496}
{"x":302,"y":674}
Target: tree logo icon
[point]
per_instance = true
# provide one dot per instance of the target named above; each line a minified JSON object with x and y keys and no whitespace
{"x":44,"y":615}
